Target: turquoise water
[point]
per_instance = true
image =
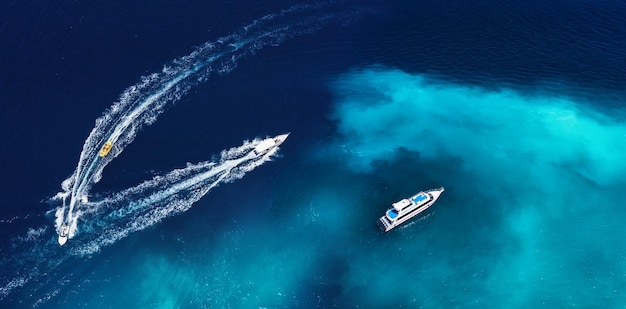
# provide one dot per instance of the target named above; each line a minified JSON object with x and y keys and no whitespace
{"x":532,"y":196}
{"x":533,"y":188}
{"x":515,"y":108}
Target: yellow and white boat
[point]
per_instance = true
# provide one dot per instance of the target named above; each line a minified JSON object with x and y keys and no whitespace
{"x":106,"y":148}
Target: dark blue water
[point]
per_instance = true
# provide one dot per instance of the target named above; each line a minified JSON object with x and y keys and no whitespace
{"x":516,"y":108}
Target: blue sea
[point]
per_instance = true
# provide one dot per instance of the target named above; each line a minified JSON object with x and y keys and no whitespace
{"x":517,"y":108}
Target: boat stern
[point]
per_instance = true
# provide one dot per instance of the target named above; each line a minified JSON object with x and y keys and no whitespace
{"x":384,"y":224}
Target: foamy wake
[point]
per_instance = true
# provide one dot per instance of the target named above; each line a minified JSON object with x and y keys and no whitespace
{"x":142,"y":103}
{"x":106,"y":221}
{"x":110,"y":219}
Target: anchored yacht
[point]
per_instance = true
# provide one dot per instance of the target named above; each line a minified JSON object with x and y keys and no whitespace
{"x":269,"y":143}
{"x":407,"y":208}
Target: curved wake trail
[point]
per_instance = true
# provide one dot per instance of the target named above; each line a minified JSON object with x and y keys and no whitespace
{"x":142,"y":206}
{"x":38,"y":255}
{"x":141,"y":103}
{"x":36,"y":261}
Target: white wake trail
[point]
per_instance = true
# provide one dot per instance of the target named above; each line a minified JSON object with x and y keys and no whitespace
{"x":134,"y":209}
{"x":106,"y":221}
{"x":34,"y":260}
{"x":141,"y":103}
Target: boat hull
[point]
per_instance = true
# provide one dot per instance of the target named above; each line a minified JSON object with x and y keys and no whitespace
{"x":106,"y":149}
{"x":269,"y":143}
{"x":63,"y":234}
{"x":386,"y":223}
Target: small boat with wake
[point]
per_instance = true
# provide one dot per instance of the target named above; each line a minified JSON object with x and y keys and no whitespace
{"x":269,"y":143}
{"x":106,"y":148}
{"x":63,"y":233}
{"x":407,"y":208}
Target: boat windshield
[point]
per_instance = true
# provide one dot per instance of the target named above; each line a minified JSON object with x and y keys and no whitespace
{"x":392,"y":213}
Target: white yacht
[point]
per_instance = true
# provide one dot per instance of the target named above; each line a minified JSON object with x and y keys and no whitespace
{"x":63,"y":234}
{"x":407,"y":208}
{"x":269,"y":143}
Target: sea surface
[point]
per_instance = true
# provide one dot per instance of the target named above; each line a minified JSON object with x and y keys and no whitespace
{"x":517,"y":108}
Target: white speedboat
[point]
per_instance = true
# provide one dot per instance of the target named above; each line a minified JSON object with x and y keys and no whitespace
{"x":407,"y":208}
{"x":269,"y":143}
{"x":63,"y":233}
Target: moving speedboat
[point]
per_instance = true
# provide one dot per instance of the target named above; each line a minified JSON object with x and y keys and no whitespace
{"x":106,"y":148}
{"x":407,"y":208}
{"x":63,"y":234}
{"x":269,"y":143}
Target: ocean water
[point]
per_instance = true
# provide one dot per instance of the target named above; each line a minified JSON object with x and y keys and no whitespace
{"x":516,"y":108}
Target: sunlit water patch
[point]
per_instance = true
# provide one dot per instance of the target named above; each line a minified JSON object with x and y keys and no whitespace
{"x":533,"y":184}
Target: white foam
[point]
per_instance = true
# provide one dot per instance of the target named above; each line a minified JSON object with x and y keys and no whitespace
{"x":148,"y":203}
{"x":14,"y":283}
{"x":140,"y":104}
